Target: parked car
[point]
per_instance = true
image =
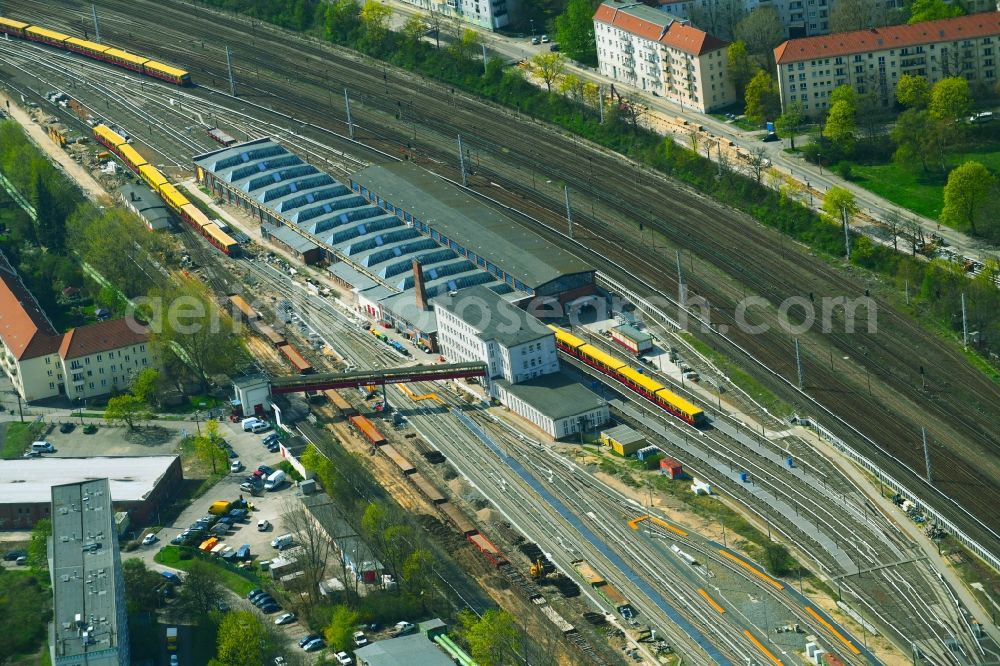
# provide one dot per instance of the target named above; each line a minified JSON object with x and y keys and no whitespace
{"x":554,"y":47}
{"x":265,"y":470}
{"x":231,"y":452}
{"x":89,"y":429}
{"x":274,"y":447}
{"x":171,"y":577}
{"x":343,"y":658}
{"x":254,"y":592}
{"x":402,"y":628}
{"x":21,"y":560}
{"x":313,"y":645}
{"x":272,"y":437}
{"x":150,"y":539}
{"x":66,"y":427}
{"x":545,"y":39}
{"x":536,"y":41}
{"x":270,"y":608}
{"x":307,"y":638}
{"x":360,"y":640}
{"x":263,"y":525}
{"x":174,"y":660}
{"x":12,"y":555}
{"x":282,"y":542}
{"x":285,"y":618}
{"x":770,"y":136}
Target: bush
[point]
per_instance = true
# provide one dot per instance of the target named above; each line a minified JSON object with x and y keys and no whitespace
{"x":845,"y":170}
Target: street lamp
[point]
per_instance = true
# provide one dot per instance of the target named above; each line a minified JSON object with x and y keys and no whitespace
{"x":532,"y":21}
{"x":79,"y":409}
{"x":19,"y":412}
{"x":819,"y":160}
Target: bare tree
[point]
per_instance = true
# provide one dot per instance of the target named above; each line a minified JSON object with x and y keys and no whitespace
{"x":757,"y":160}
{"x":315,"y":544}
{"x":915,"y":233}
{"x":894,"y":223}
{"x":718,"y":17}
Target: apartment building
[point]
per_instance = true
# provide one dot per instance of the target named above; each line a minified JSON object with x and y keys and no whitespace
{"x":489,"y":14}
{"x":872,"y":61}
{"x":85,"y":362}
{"x":662,"y":55}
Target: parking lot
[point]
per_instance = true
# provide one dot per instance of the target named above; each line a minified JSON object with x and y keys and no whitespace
{"x":159,"y":439}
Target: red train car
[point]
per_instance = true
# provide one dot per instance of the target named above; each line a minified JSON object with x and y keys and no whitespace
{"x":369,"y":431}
{"x":488,"y":549}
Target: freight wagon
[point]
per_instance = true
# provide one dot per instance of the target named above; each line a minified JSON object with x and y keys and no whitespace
{"x":401,"y":463}
{"x":272,"y":336}
{"x":427,"y":489}
{"x":488,"y":549}
{"x":302,"y":366}
{"x":339,"y":403}
{"x":218,"y":135}
{"x":454,"y":516}
{"x":240,"y":304}
{"x":95,"y":51}
{"x":369,"y":431}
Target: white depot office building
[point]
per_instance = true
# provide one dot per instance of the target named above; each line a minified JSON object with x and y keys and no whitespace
{"x":476,"y":324}
{"x":489,"y":14}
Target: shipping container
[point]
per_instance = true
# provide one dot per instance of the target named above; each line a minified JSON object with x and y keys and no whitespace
{"x":671,"y":469}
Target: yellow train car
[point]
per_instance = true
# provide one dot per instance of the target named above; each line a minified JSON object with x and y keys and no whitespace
{"x":220,"y":239}
{"x":193,"y":216}
{"x":108,"y":137}
{"x":639,"y":381}
{"x":686,"y":410}
{"x":152,"y":176}
{"x":566,"y":340}
{"x":599,"y":359}
{"x":125,"y":59}
{"x":12,"y":27}
{"x":166,"y":72}
{"x":173,"y":197}
{"x":36,"y":34}
{"x":87,"y":48}
{"x":131,"y":157}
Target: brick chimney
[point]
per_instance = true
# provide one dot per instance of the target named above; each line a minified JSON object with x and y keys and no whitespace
{"x":418,"y":285}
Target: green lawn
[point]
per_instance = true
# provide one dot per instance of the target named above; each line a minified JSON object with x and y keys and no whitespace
{"x":241,"y":584}
{"x":911,"y":188}
{"x":16,"y":438}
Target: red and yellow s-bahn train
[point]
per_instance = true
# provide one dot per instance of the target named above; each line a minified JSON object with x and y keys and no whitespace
{"x":179,"y":203}
{"x":645,"y":386}
{"x":103,"y":52}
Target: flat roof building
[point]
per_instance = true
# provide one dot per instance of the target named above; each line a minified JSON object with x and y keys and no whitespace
{"x":148,"y":206}
{"x":555,"y":403}
{"x":413,"y":650}
{"x":139,"y":485}
{"x":89,"y":615}
{"x":872,"y":61}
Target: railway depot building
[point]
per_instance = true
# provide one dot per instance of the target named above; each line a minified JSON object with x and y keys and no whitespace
{"x":662,"y":54}
{"x":86,"y":362}
{"x":369,"y":234}
{"x":872,"y":61}
{"x":89,"y":613}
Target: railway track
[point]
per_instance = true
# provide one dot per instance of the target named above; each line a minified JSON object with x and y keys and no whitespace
{"x":968,"y":425}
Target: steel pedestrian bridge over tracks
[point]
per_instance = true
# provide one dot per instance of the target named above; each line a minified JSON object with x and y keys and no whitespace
{"x":410,"y":374}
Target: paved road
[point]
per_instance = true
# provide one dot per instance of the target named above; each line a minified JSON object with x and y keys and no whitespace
{"x":816,"y":177}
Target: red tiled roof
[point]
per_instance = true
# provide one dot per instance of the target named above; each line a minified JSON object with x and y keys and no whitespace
{"x":889,"y":37}
{"x":102,"y":336}
{"x":24,"y":327}
{"x":676,"y":35}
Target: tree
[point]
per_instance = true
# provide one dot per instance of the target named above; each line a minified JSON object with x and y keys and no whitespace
{"x":849,"y":15}
{"x":839,"y":201}
{"x":51,"y":225}
{"x":340,"y":19}
{"x":146,"y":384}
{"x":243,"y":639}
{"x":969,"y":187}
{"x":913,"y":92}
{"x":777,"y":559}
{"x":572,"y":86}
{"x":25,"y":610}
{"x":140,"y":586}
{"x":575,"y":32}
{"x":468,"y":45}
{"x":316,"y":547}
{"x":950,"y":100}
{"x":38,"y":546}
{"x":758,"y":161}
{"x":209,"y":452}
{"x":375,"y":19}
{"x":718,"y":17}
{"x":414,"y":28}
{"x":932,"y":10}
{"x":200,"y":593}
{"x":762,"y":98}
{"x":435,"y":21}
{"x":549,"y":67}
{"x":493,"y":639}
{"x":128,"y":410}
{"x":841,"y":124}
{"x":342,"y":623}
{"x":417,"y":571}
{"x":741,"y":66}
{"x":761,"y":30}
{"x":186,"y":324}
{"x":916,"y":138}
{"x":791,"y":121}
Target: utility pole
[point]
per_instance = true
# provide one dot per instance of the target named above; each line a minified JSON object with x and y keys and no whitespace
{"x":484,"y":57}
{"x":569,"y":212}
{"x":965,"y":325}
{"x":97,"y":26}
{"x":847,"y":234}
{"x":229,"y":66}
{"x":927,"y":455}
{"x":461,"y":160}
{"x":350,"y":123}
{"x":798,"y":365}
{"x":600,"y":101}
{"x":681,"y":295}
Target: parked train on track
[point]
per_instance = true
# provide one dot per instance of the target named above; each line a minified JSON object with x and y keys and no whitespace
{"x":614,"y":367}
{"x":95,"y":51}
{"x":170,"y":194}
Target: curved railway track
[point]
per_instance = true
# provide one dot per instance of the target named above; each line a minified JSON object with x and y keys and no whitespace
{"x":961,"y":400}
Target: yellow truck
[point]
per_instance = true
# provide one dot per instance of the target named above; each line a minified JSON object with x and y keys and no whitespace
{"x":219,"y":508}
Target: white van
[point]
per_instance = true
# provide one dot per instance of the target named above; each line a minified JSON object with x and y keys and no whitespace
{"x":275,"y":481}
{"x":42,"y":447}
{"x":260,"y":426}
{"x":249,"y":423}
{"x":282,"y":542}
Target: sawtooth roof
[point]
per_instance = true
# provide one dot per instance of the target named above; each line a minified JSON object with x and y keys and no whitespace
{"x":889,"y":37}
